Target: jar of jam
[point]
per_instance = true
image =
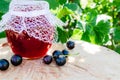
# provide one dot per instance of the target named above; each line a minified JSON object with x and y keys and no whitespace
{"x":30,"y":28}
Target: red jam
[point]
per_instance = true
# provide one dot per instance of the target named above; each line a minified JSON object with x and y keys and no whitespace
{"x":26,"y":46}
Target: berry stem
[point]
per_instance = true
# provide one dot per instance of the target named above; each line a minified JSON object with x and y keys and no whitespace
{"x":75,"y":54}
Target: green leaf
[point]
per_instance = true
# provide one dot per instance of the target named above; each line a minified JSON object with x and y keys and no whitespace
{"x":71,"y":6}
{"x":106,"y":39}
{"x":4,"y":5}
{"x":103,"y":27}
{"x":92,"y":36}
{"x":86,"y":37}
{"x":53,"y":3}
{"x":99,"y":38}
{"x":117,"y":49}
{"x":116,"y":35}
{"x":8,"y":1}
{"x":102,"y":31}
{"x":91,"y":17}
{"x":62,"y":1}
{"x":77,"y":34}
{"x":66,"y":18}
{"x":77,"y":2}
{"x":62,"y":35}
{"x":79,"y":25}
{"x":64,"y":11}
{"x":1,"y":15}
{"x":70,"y":33}
{"x":88,"y":28}
{"x":2,"y":35}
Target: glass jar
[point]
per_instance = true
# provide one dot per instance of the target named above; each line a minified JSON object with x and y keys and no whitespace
{"x":30,"y":28}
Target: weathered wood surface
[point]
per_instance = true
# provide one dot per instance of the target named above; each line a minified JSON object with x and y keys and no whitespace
{"x":93,"y":63}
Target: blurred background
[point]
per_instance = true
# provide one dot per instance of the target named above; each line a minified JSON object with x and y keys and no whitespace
{"x":94,"y":21}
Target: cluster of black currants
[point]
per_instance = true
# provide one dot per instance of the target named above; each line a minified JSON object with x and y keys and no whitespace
{"x":15,"y":60}
{"x":59,"y":56}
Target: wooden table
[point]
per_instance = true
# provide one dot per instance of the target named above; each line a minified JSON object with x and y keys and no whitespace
{"x":92,"y":63}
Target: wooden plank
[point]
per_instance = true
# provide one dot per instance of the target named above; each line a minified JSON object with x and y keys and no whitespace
{"x":92,"y":63}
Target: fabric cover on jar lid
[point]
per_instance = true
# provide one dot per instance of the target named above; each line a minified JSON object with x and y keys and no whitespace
{"x":31,"y":16}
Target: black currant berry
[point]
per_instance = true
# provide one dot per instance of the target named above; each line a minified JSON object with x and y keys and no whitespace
{"x":56,"y":54}
{"x":70,"y":44}
{"x":47,"y":59}
{"x":4,"y":64}
{"x":65,"y":53}
{"x":60,"y":61}
{"x":16,"y":60}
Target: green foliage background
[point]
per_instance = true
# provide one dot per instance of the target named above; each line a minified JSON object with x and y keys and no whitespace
{"x":85,"y":20}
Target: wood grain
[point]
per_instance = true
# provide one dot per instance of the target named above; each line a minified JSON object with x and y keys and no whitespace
{"x":92,"y":63}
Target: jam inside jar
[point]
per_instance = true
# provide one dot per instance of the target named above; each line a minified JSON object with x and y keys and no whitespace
{"x":26,"y":46}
